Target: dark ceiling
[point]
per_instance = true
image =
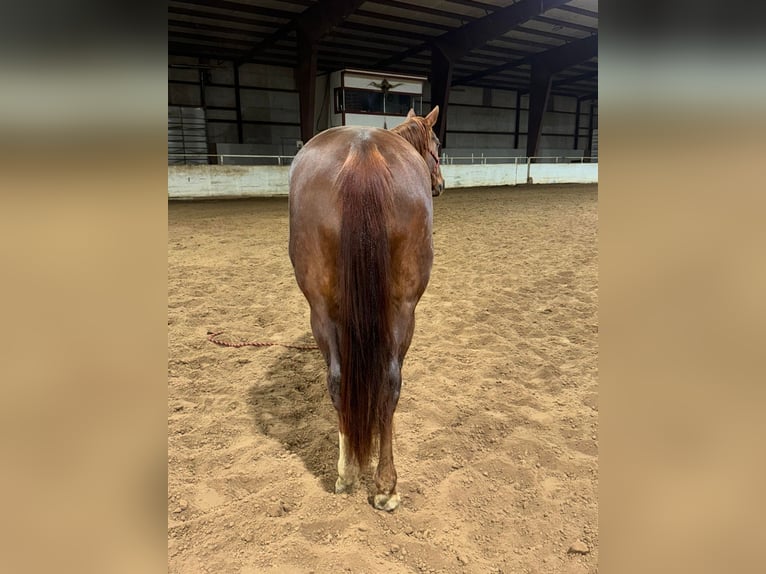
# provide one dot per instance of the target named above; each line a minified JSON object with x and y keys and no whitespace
{"x":492,"y":43}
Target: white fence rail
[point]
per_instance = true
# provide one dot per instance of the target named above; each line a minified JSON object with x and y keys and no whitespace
{"x":446,"y":159}
{"x":266,"y":176}
{"x":482,"y":159}
{"x":227,"y":159}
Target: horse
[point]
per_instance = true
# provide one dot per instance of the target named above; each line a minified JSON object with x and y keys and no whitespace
{"x":361,"y":247}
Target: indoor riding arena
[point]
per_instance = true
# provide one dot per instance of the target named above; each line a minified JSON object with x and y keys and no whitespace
{"x":496,"y":429}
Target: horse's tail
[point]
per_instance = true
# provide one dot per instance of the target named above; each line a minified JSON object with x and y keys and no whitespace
{"x":364,"y":187}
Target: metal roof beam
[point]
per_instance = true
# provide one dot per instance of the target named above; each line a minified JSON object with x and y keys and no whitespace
{"x":402,"y":20}
{"x":423,"y":9}
{"x":566,"y":56}
{"x":201,"y":37}
{"x":574,"y":79}
{"x":458,"y":42}
{"x":391,"y":42}
{"x":544,"y":33}
{"x":479,"y":5}
{"x":312,"y":24}
{"x":183,"y":49}
{"x":555,"y":59}
{"x":238,"y":7}
{"x":214,"y":28}
{"x":526,"y":42}
{"x":565,"y":24}
{"x":214,"y":16}
{"x":580,"y":11}
{"x":385,"y":31}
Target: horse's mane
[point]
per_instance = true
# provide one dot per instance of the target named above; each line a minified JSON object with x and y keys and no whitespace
{"x":415,"y":131}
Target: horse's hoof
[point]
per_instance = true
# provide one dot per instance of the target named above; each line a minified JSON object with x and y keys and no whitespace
{"x":387,"y":502}
{"x":342,"y":487}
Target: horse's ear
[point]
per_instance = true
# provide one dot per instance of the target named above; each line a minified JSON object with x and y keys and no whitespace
{"x":432,"y":115}
{"x":411,"y":113}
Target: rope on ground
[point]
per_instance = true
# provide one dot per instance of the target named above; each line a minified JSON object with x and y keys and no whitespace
{"x":211,"y":336}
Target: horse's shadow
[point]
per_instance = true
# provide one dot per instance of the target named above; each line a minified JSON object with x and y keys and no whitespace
{"x":292,"y":406}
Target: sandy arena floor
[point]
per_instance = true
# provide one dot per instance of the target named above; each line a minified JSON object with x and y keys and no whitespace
{"x":496,"y":431}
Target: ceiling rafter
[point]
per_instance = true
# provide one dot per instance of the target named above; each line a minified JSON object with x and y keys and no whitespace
{"x":315,"y":22}
{"x":191,"y":12}
{"x":401,"y":20}
{"x":460,"y":41}
{"x":391,"y":42}
{"x":228,"y":42}
{"x":575,"y":79}
{"x":240,"y":7}
{"x":473,"y":4}
{"x":564,"y":24}
{"x":215,"y":28}
{"x":526,"y":42}
{"x":579,"y":11}
{"x":552,"y":58}
{"x":422,"y":9}
{"x":544,"y":33}
{"x":567,"y":55}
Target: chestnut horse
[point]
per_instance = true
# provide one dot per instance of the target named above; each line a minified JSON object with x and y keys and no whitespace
{"x":361,"y":247}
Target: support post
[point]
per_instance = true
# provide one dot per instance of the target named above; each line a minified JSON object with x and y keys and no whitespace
{"x":577,"y":124}
{"x":203,"y":105}
{"x":441,"y":79}
{"x":540,"y":87}
{"x":518,"y":120}
{"x":238,"y":103}
{"x":202,"y":101}
{"x":589,"y":152}
{"x":305,"y":78}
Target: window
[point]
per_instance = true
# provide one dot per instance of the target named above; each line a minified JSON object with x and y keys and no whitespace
{"x":354,"y":100}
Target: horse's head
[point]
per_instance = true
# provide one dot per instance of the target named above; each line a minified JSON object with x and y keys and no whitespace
{"x":425,"y":141}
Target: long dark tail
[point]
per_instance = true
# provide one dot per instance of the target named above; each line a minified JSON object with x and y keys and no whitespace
{"x":364,"y":187}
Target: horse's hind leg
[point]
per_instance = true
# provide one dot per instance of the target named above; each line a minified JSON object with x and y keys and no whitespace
{"x":386,"y":497}
{"x":348,"y":472}
{"x":325,"y":334}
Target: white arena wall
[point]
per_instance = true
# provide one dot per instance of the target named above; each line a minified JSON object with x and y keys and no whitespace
{"x":239,"y":181}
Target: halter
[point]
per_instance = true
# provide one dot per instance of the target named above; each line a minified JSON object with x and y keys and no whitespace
{"x":436,"y":160}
